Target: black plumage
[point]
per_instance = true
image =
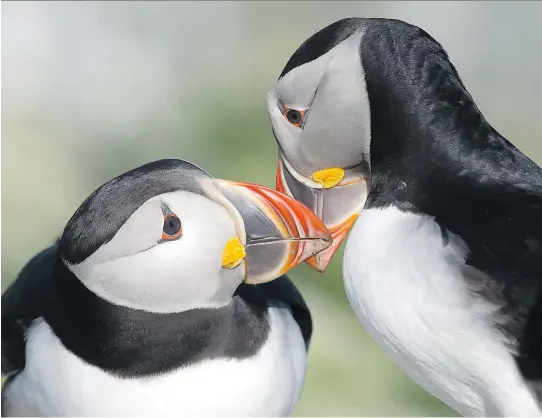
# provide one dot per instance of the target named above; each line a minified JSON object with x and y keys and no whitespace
{"x":129,"y":342}
{"x":434,"y":153}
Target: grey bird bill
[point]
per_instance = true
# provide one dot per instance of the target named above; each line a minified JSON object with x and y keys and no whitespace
{"x":275,"y":232}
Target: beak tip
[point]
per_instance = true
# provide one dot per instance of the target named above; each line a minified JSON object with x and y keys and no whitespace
{"x":317,"y":267}
{"x":316,"y":264}
{"x":321,"y":260}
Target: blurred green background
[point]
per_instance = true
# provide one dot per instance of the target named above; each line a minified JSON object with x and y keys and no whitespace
{"x":92,"y":89}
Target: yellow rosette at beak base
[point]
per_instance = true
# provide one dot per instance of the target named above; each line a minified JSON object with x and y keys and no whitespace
{"x":329,"y":177}
{"x":233,"y":253}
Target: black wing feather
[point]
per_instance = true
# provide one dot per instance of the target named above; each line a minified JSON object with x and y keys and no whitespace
{"x":23,"y":302}
{"x":282,"y":290}
{"x":503,"y":231}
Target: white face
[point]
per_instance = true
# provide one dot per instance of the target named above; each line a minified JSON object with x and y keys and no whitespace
{"x":143,"y":267}
{"x":334,"y":128}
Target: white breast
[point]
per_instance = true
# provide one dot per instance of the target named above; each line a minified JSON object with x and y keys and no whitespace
{"x":406,"y":288}
{"x":57,"y":383}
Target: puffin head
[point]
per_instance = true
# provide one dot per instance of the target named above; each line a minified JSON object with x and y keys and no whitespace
{"x":167,"y":237}
{"x":347,"y":111}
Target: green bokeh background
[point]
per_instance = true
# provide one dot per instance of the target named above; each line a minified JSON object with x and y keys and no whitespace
{"x":92,"y":89}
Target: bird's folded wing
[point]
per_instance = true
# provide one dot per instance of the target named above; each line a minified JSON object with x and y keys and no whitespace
{"x":23,"y":302}
{"x":521,"y":323}
{"x":284,"y":291}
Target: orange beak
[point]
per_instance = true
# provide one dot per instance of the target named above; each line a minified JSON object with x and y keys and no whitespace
{"x":276,"y":232}
{"x":338,"y":206}
{"x":338,"y":232}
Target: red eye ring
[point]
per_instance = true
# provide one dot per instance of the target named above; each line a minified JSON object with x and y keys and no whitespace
{"x":172,"y":228}
{"x":294,"y":116}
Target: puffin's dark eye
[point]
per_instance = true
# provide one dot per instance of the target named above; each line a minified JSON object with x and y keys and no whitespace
{"x":172,"y":228}
{"x":295,"y":117}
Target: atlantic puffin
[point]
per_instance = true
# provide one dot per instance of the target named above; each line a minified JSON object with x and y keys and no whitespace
{"x":377,"y":134}
{"x":159,"y":299}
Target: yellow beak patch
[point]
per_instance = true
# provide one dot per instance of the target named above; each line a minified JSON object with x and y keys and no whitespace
{"x":233,"y":253}
{"x":329,"y":177}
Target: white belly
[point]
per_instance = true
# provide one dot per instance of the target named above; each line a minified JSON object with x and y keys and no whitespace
{"x":406,"y":289}
{"x":57,"y":383}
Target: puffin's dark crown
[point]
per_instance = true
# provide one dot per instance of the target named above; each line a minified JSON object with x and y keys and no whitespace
{"x":102,"y":214}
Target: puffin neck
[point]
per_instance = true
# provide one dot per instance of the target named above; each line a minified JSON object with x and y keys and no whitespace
{"x":427,"y":135}
{"x":130,"y":343}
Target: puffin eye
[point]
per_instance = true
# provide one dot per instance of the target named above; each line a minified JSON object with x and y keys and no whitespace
{"x":172,"y":228}
{"x":294,"y":116}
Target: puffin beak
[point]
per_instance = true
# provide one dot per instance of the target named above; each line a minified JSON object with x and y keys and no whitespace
{"x":335,"y":195}
{"x":274,"y":231}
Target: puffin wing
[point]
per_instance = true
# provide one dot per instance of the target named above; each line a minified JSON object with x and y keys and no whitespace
{"x":522,"y":324}
{"x":505,"y":268}
{"x":282,"y":290}
{"x":23,"y":302}
{"x":530,"y":356}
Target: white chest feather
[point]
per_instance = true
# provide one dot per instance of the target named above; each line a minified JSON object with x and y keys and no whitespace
{"x":406,"y":287}
{"x":57,"y":383}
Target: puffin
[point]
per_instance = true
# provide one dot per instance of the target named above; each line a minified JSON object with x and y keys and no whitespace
{"x":378,"y":135}
{"x":164,"y":296}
